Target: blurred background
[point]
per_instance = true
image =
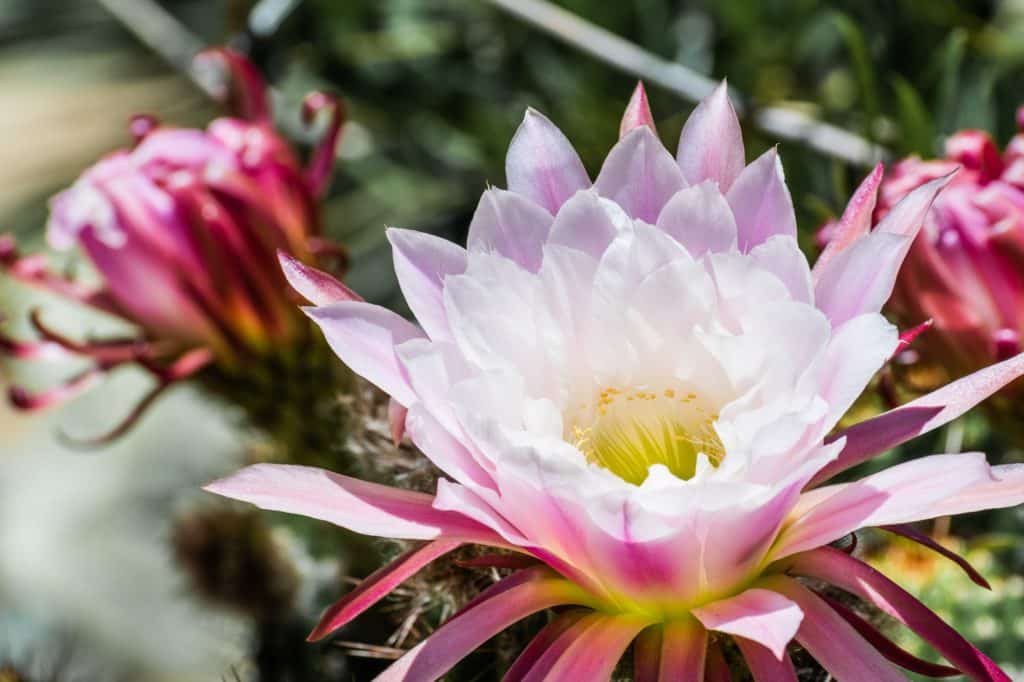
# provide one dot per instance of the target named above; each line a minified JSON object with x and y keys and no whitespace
{"x":92,"y":580}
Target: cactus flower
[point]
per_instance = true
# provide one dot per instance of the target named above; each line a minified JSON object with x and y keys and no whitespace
{"x":631,"y":385}
{"x":183,"y":230}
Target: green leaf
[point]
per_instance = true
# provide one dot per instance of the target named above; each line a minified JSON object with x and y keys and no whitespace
{"x":917,"y":129}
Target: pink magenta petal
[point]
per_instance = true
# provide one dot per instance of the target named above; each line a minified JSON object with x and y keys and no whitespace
{"x":911,"y":533}
{"x":546,"y":660}
{"x":638,"y":112}
{"x":377,"y":585}
{"x":422,"y":261}
{"x":367,"y":508}
{"x":833,"y":642}
{"x":886,"y":431}
{"x":500,"y":606}
{"x":364,"y":336}
{"x":512,"y":225}
{"x":856,"y":220}
{"x":756,"y":614}
{"x":314,"y":285}
{"x":764,"y":665}
{"x":711,"y":144}
{"x":700,"y":219}
{"x":684,"y":646}
{"x":907,"y":216}
{"x":542,"y":642}
{"x":640,"y":175}
{"x":542,"y":165}
{"x":761,"y":202}
{"x":858,"y":578}
{"x":596,"y":652}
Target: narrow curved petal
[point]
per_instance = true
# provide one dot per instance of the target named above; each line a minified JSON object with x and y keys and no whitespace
{"x":640,"y":175}
{"x":907,"y":217}
{"x":833,"y":642}
{"x":313,"y":284}
{"x":858,"y":578}
{"x":764,"y":665}
{"x":711,"y":144}
{"x":638,"y":112}
{"x":856,"y":219}
{"x":362,"y":507}
{"x":422,"y":261}
{"x":542,"y":165}
{"x":542,"y":642}
{"x":505,"y":603}
{"x":684,"y":646}
{"x":377,"y":585}
{"x":909,"y":532}
{"x":700,"y":219}
{"x":760,"y":615}
{"x":594,"y":655}
{"x":761,"y":203}
{"x":364,"y":336}
{"x":541,"y":667}
{"x":511,"y":225}
{"x":884,"y":432}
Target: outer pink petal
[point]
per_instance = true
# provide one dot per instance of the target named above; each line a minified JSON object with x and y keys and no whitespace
{"x":421,"y":263}
{"x":684,"y":646}
{"x":909,"y":532}
{"x":583,"y":224}
{"x":638,"y":112}
{"x":761,"y":203}
{"x":547,"y":659}
{"x":314,"y":285}
{"x":907,"y":216}
{"x":711,"y":144}
{"x":505,"y":603}
{"x":886,"y":431}
{"x":444,"y":450}
{"x":511,"y":225}
{"x":367,"y":508}
{"x":378,"y":584}
{"x":364,"y":336}
{"x":856,"y":220}
{"x":700,"y":219}
{"x":833,"y":642}
{"x":756,"y":614}
{"x":764,"y":665}
{"x":855,"y":576}
{"x":597,"y":651}
{"x":542,"y":642}
{"x":542,"y":165}
{"x":640,"y":175}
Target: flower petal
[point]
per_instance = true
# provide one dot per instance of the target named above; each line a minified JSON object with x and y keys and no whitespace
{"x":711,"y":144}
{"x":683,"y":650}
{"x":313,"y":284}
{"x":542,"y":642}
{"x":511,"y":225}
{"x":542,"y":165}
{"x":756,"y":614}
{"x":700,"y":219}
{"x":908,"y":531}
{"x":638,"y":112}
{"x":364,"y":336}
{"x":640,"y":175}
{"x":596,"y":652}
{"x":763,"y":664}
{"x":587,"y":223}
{"x":761,"y":203}
{"x":422,"y":261}
{"x":855,"y":222}
{"x":781,"y":255}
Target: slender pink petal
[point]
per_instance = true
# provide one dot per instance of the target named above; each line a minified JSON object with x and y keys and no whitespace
{"x":422,"y":261}
{"x":761,"y":202}
{"x":886,"y":647}
{"x":511,"y":225}
{"x":314,"y":285}
{"x":366,"y":508}
{"x":911,"y":533}
{"x":377,"y":585}
{"x":597,"y":651}
{"x":684,"y":646}
{"x":856,"y":220}
{"x":23,"y":399}
{"x":907,"y":217}
{"x":541,"y":667}
{"x":495,"y":610}
{"x":318,"y":174}
{"x":858,"y":578}
{"x":246,"y":93}
{"x":638,"y":112}
{"x":756,"y":614}
{"x":700,"y":219}
{"x":542,"y":642}
{"x":907,"y":337}
{"x":884,"y":432}
{"x":364,"y":336}
{"x":640,"y":175}
{"x":711,"y":144}
{"x":833,"y":642}
{"x":541,"y":164}
{"x":764,"y":665}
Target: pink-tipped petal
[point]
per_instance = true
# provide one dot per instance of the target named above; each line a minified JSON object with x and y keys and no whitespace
{"x":833,"y":642}
{"x":362,"y":507}
{"x":684,"y":646}
{"x":377,"y":585}
{"x":763,"y":664}
{"x":711,"y":144}
{"x":640,"y":175}
{"x":756,"y":614}
{"x":496,"y":609}
{"x":855,"y":222}
{"x":638,"y":112}
{"x":364,"y":336}
{"x":25,"y":400}
{"x":541,"y":667}
{"x":542,"y":165}
{"x":243,"y":88}
{"x":422,"y":261}
{"x":911,"y":533}
{"x":858,"y":578}
{"x":511,"y":225}
{"x":542,"y":642}
{"x":907,"y":337}
{"x":594,"y":655}
{"x":313,"y":284}
{"x":761,"y":203}
{"x":907,"y":217}
{"x":884,"y":432}
{"x":318,"y":174}
{"x":700,"y":219}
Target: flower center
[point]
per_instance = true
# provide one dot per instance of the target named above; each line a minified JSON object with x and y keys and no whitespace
{"x":627,"y":431}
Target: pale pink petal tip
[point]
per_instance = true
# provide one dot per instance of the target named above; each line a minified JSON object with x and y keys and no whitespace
{"x":313,"y":284}
{"x":638,"y":112}
{"x":711,"y":144}
{"x":763,"y":616}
